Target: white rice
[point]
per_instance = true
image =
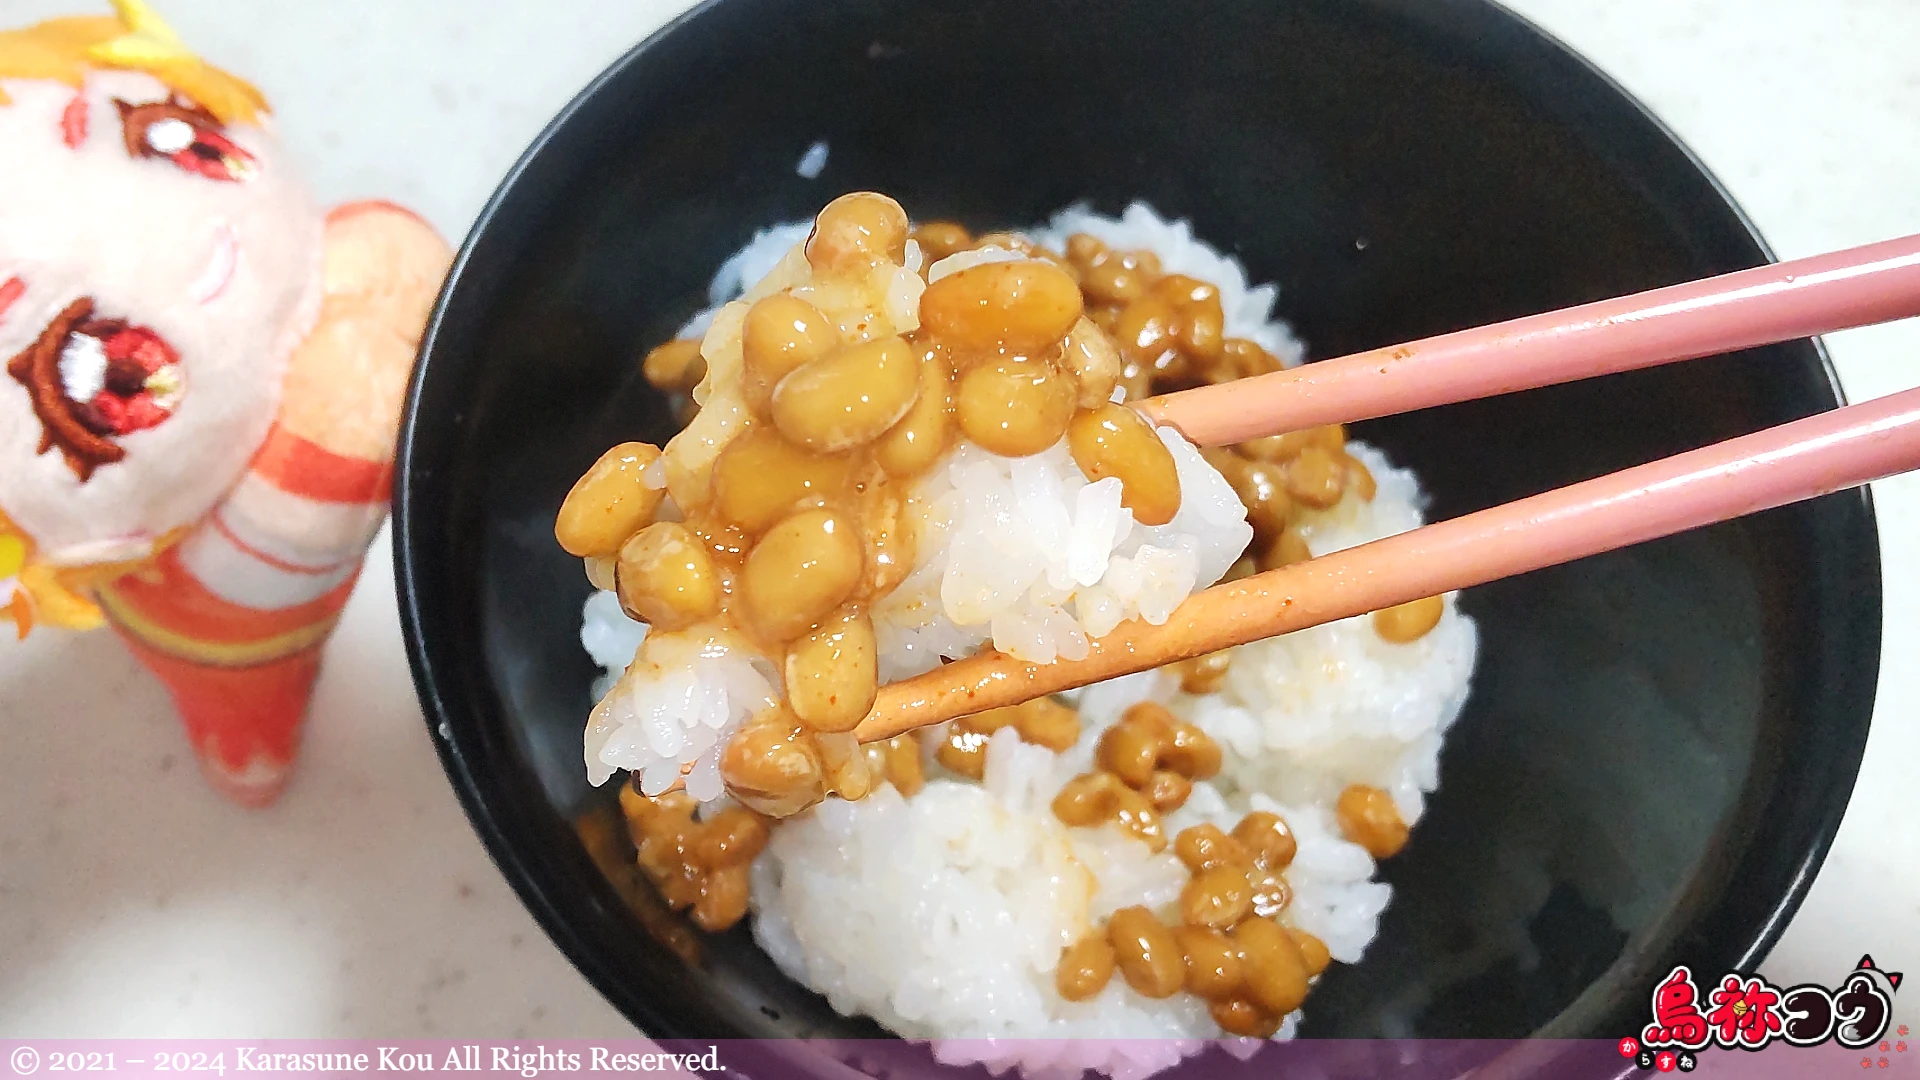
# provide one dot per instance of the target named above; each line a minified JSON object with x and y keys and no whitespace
{"x":748,"y":265}
{"x":1304,"y":715}
{"x":1020,"y":552}
{"x":943,"y":916}
{"x":813,"y":162}
{"x":683,"y":699}
{"x":1027,"y":553}
{"x":869,"y":904}
{"x":610,"y":638}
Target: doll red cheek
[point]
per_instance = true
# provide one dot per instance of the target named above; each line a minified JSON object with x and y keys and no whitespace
{"x":73,"y":122}
{"x":10,"y":292}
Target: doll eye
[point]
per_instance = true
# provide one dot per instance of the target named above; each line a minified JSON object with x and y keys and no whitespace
{"x":169,"y":136}
{"x":188,"y":137}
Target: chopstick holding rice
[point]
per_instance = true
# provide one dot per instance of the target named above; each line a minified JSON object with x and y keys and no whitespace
{"x":841,"y":511}
{"x":825,"y":525}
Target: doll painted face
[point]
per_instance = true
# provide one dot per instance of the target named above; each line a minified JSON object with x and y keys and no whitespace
{"x":157,"y":265}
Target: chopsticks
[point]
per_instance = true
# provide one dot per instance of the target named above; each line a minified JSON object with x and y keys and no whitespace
{"x":1778,"y":302}
{"x":1795,"y":461}
{"x":1800,"y":460}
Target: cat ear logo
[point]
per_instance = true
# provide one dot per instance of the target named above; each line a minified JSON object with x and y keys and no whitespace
{"x":1746,"y":1012}
{"x":1866,"y":964}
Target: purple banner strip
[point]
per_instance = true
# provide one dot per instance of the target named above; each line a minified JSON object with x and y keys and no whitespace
{"x":1307,"y":1059}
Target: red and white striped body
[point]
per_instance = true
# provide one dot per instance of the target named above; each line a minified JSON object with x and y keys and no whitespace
{"x":234,"y":616}
{"x":293,"y":529}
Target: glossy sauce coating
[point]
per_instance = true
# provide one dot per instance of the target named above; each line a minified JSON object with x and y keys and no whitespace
{"x":666,"y":577}
{"x":841,"y":417}
{"x":781,"y":334}
{"x":609,"y":503}
{"x":1368,"y":817}
{"x":1113,"y":440}
{"x":1235,"y":950}
{"x":1406,"y":623}
{"x":700,"y":865}
{"x":1146,"y":952}
{"x":1085,"y":967}
{"x":1146,"y":765}
{"x":831,"y":672}
{"x":838,"y":404}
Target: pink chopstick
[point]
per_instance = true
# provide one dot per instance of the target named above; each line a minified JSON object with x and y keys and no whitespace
{"x":1800,"y":460}
{"x":1875,"y":283}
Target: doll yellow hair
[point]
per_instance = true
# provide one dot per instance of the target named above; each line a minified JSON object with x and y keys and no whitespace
{"x":32,"y":590}
{"x":134,"y":39}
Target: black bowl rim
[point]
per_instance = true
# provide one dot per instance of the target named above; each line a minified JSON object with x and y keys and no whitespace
{"x":439,"y":717}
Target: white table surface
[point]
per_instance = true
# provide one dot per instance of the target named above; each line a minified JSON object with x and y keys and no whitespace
{"x":134,"y":902}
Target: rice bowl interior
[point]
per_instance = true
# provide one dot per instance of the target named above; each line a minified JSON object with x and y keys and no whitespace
{"x":1659,"y":741}
{"x":942,"y":907}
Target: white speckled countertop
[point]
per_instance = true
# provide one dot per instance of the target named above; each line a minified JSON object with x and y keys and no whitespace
{"x":137,"y":903}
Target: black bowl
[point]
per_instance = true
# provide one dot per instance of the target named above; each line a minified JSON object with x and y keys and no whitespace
{"x":1660,"y":742}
